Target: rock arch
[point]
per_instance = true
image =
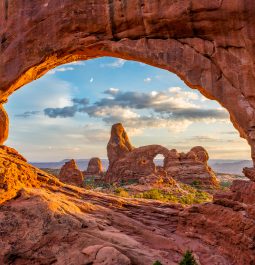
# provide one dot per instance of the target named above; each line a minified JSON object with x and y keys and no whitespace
{"x":209,"y":44}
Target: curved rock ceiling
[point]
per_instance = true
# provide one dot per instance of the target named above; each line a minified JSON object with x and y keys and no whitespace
{"x":209,"y":44}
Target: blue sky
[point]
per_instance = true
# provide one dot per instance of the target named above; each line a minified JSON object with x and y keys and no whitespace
{"x":69,"y":111}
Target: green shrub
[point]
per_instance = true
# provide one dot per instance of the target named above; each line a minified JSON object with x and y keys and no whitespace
{"x":121,"y":192}
{"x":188,"y":259}
{"x":157,"y":263}
{"x":153,"y":194}
{"x":196,"y":183}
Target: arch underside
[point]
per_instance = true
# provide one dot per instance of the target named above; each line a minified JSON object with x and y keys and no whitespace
{"x":208,"y":44}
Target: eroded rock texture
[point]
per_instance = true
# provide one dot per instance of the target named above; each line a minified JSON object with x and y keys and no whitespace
{"x":190,"y":168}
{"x":209,"y":44}
{"x":44,"y":221}
{"x":129,"y":164}
{"x":71,"y":174}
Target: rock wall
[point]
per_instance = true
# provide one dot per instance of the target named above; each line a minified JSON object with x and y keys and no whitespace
{"x":138,"y":163}
{"x":209,"y":44}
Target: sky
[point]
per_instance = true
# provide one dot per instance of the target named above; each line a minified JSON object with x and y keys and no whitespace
{"x":68,"y":113}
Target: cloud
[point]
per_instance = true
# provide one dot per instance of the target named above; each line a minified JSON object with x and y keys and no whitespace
{"x":115,"y":64}
{"x":65,"y":112}
{"x":173,"y":108}
{"x":91,"y":80}
{"x":77,"y":63}
{"x":111,"y":91}
{"x":60,"y":69}
{"x":27,"y":114}
{"x":68,"y":111}
{"x":147,"y":80}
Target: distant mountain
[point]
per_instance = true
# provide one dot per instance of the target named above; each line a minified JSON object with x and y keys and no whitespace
{"x":229,"y":166}
{"x":218,"y":165}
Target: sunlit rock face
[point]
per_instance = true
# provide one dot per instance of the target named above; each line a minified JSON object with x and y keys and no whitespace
{"x":119,"y":143}
{"x":138,"y":163}
{"x":209,"y":44}
{"x":4,"y":125}
{"x":71,"y":174}
{"x":16,"y":174}
{"x":95,"y":167}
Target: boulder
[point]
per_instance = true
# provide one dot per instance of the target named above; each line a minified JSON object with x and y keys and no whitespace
{"x":71,"y":174}
{"x":95,"y":167}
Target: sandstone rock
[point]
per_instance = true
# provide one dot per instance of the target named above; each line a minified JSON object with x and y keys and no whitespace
{"x":4,"y":125}
{"x":138,"y":163}
{"x":16,"y":174}
{"x":118,"y":144}
{"x":105,"y":255}
{"x":12,"y":152}
{"x":249,"y":173}
{"x":71,"y":174}
{"x":191,"y":167}
{"x":95,"y":167}
{"x":71,"y":225}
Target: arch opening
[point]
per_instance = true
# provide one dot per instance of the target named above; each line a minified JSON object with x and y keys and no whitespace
{"x":175,"y":109}
{"x":198,"y":56}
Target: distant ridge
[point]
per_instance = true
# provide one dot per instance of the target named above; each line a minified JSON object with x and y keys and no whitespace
{"x":218,"y":165}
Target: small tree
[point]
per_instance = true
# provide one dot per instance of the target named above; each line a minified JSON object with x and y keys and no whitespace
{"x":188,"y":259}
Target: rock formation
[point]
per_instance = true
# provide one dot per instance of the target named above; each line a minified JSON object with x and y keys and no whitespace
{"x":118,"y":144}
{"x":209,"y":44}
{"x":227,"y":222}
{"x":4,"y":125}
{"x":71,"y":225}
{"x":71,"y":174}
{"x":95,"y":167}
{"x":190,"y":168}
{"x":137,"y":163}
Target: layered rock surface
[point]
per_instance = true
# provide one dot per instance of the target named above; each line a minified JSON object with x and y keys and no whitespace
{"x":76,"y":226}
{"x":71,"y":174}
{"x":138,"y":163}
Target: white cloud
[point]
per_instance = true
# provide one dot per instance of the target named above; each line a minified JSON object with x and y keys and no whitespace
{"x":91,"y":80}
{"x":77,"y":63}
{"x":147,"y":80}
{"x":116,"y":64}
{"x":60,"y":69}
